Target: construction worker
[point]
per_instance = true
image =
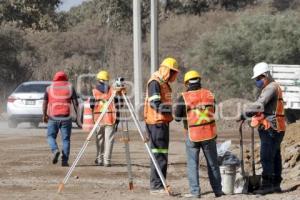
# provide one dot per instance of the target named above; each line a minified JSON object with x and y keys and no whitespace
{"x":268,"y":115}
{"x":56,"y":111}
{"x":105,"y":135}
{"x":158,"y":115}
{"x":196,"y":107}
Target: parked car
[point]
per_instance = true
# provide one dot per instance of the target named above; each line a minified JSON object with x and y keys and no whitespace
{"x":25,"y":104}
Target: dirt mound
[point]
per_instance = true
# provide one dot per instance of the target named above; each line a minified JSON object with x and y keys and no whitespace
{"x":290,"y":150}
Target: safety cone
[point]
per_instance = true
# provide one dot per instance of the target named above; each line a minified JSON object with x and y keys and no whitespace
{"x":88,"y":122}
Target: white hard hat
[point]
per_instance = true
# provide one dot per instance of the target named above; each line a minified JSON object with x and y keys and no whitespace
{"x":260,"y":69}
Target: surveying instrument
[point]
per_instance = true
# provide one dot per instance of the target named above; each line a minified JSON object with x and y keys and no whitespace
{"x":119,"y":92}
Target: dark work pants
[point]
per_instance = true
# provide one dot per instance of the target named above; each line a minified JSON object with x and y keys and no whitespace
{"x":271,"y":155}
{"x":159,"y":144}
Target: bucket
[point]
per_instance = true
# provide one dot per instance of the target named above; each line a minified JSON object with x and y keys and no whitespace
{"x":228,"y":173}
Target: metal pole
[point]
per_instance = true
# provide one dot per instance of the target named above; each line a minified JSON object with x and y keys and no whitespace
{"x":252,"y":151}
{"x":137,"y":53}
{"x":125,"y":139}
{"x":154,"y":36}
{"x":242,"y":149}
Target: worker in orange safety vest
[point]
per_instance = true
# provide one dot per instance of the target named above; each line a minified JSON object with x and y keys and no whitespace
{"x":158,"y":115}
{"x":196,"y":107}
{"x":58,"y":100}
{"x":105,"y":135}
{"x":268,"y":116}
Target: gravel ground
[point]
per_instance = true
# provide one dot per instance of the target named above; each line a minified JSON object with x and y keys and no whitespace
{"x":27,"y":172}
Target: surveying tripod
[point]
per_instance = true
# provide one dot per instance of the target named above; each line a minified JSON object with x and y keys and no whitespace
{"x":120,"y":91}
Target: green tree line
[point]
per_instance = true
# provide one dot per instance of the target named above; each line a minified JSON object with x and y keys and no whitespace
{"x":36,"y":40}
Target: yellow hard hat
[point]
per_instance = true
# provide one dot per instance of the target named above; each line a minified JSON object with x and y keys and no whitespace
{"x":103,"y":75}
{"x":191,"y":75}
{"x":171,"y":63}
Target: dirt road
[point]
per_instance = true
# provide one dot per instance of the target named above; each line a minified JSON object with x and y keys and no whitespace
{"x":27,"y":173}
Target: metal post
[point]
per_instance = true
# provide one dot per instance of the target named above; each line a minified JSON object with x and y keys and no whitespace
{"x":137,"y":53}
{"x":154,"y":36}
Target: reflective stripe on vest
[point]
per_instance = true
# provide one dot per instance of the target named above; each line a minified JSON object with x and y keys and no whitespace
{"x":151,"y":115}
{"x":200,"y":114}
{"x":101,"y":100}
{"x":59,"y":98}
{"x":158,"y":150}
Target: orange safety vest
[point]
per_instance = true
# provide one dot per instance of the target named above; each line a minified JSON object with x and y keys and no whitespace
{"x":151,"y":115}
{"x":59,"y":98}
{"x":100,"y":101}
{"x":200,"y":114}
{"x":279,"y":113}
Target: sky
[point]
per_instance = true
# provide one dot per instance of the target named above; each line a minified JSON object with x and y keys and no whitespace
{"x":67,"y":4}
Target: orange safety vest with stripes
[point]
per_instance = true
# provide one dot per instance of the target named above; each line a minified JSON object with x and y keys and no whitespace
{"x":59,"y":98}
{"x":151,"y":115}
{"x":200,"y":114}
{"x":260,"y":119}
{"x":101,"y":99}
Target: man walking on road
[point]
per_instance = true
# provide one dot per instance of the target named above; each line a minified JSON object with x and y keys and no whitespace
{"x":268,"y":116}
{"x":56,"y":111}
{"x":196,"y":107}
{"x":158,"y":115}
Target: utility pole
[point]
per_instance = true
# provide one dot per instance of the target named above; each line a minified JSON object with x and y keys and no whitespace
{"x":137,"y":54}
{"x":154,"y":36}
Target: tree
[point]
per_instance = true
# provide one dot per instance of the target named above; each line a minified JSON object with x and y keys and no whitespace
{"x":17,"y":58}
{"x":116,"y":14}
{"x":27,"y":13}
{"x":228,"y":55}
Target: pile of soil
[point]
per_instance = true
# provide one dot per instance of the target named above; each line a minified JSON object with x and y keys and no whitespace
{"x":290,"y":150}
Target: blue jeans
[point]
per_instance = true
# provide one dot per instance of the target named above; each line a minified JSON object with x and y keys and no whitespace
{"x":65,"y":127}
{"x":210,"y":152}
{"x":270,"y":154}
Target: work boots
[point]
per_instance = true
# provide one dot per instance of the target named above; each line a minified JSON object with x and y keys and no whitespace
{"x":276,"y":184}
{"x":277,"y":188}
{"x":99,"y":162}
{"x":55,"y":157}
{"x":266,"y":186}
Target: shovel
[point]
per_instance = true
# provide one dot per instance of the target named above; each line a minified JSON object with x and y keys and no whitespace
{"x":254,"y":180}
{"x":242,"y":180}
